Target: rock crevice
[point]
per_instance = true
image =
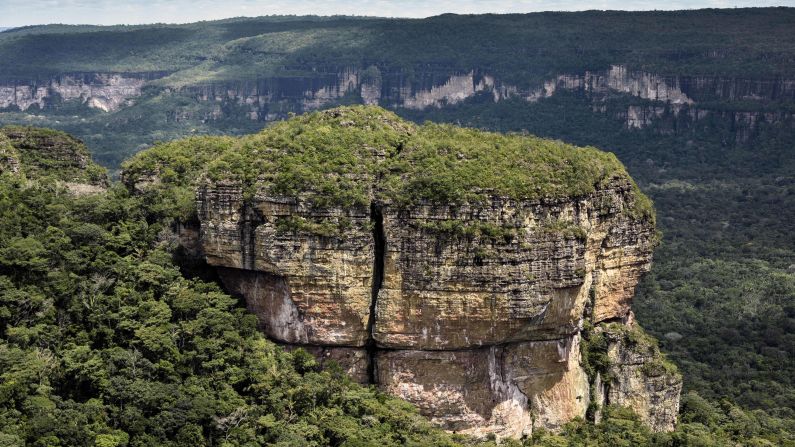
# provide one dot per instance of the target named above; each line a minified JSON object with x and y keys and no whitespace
{"x":379,"y":244}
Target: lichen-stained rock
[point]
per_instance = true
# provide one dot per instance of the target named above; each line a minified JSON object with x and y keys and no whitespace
{"x":637,"y":375}
{"x":104,"y":91}
{"x":624,"y":256}
{"x":504,"y":390}
{"x":9,"y":157}
{"x":38,"y":152}
{"x":458,"y":277}
{"x":303,"y":286}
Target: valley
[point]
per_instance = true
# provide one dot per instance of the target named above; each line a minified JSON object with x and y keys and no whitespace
{"x":697,"y":105}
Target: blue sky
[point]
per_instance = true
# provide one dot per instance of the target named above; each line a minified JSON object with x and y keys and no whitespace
{"x":106,"y":12}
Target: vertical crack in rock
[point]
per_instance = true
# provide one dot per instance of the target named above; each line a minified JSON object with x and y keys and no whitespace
{"x":249,"y":222}
{"x":379,"y":240}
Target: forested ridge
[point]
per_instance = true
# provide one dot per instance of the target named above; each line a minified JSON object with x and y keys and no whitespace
{"x":516,"y":47}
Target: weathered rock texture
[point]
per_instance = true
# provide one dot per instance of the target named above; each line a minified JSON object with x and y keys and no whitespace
{"x":671,"y":103}
{"x":9,"y":157}
{"x":305,"y":288}
{"x":639,"y":377}
{"x":104,"y":91}
{"x":480,"y":329}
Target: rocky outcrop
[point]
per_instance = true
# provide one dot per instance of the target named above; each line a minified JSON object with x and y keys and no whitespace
{"x":530,"y":281}
{"x":276,"y":97}
{"x":482,"y":333}
{"x":666,"y":99}
{"x":618,"y":79}
{"x":9,"y":157}
{"x":44,"y":152}
{"x":104,"y":91}
{"x":310,"y":289}
{"x":636,"y":376}
{"x":473,"y":311}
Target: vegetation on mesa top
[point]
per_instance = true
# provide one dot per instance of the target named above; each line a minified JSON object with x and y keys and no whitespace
{"x":518,"y":48}
{"x":46,"y":152}
{"x":334,"y":158}
{"x":168,"y":172}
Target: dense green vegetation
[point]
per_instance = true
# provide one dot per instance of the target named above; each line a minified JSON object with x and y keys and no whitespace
{"x":331,"y":157}
{"x":702,"y":423}
{"x":720,"y":296}
{"x":517,"y":48}
{"x":166,"y":174}
{"x":103,"y":342}
{"x":334,"y":158}
{"x":47,"y":152}
{"x":282,"y":52}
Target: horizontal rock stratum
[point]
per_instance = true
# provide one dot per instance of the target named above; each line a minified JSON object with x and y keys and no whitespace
{"x":486,"y":278}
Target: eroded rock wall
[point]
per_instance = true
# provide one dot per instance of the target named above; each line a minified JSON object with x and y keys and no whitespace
{"x":639,"y":377}
{"x":671,"y":103}
{"x":474,"y":313}
{"x":104,"y":91}
{"x":310,"y":288}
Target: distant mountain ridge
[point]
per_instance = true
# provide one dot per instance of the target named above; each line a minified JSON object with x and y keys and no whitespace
{"x":160,"y":82}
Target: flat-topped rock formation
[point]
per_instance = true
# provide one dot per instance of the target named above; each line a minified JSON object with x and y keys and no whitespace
{"x":463,"y":271}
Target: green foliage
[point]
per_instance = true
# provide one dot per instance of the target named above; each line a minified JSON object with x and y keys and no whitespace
{"x":593,"y":353}
{"x":47,"y":152}
{"x":718,"y":297}
{"x":449,"y":164}
{"x":702,"y":424}
{"x":569,"y":229}
{"x":168,"y":173}
{"x":9,"y":156}
{"x":522,"y":50}
{"x":718,"y":294}
{"x":518,"y":48}
{"x":330,"y":158}
{"x":104,"y":342}
{"x":349,"y":156}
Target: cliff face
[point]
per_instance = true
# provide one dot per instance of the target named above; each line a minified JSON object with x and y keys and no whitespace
{"x":105,"y":91}
{"x":473,"y":311}
{"x":9,"y":157}
{"x":304,"y":287}
{"x":481,"y":333}
{"x":637,"y":376}
{"x":685,"y":100}
{"x":273,"y":97}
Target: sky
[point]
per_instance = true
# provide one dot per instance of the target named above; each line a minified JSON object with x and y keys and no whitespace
{"x":108,"y":12}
